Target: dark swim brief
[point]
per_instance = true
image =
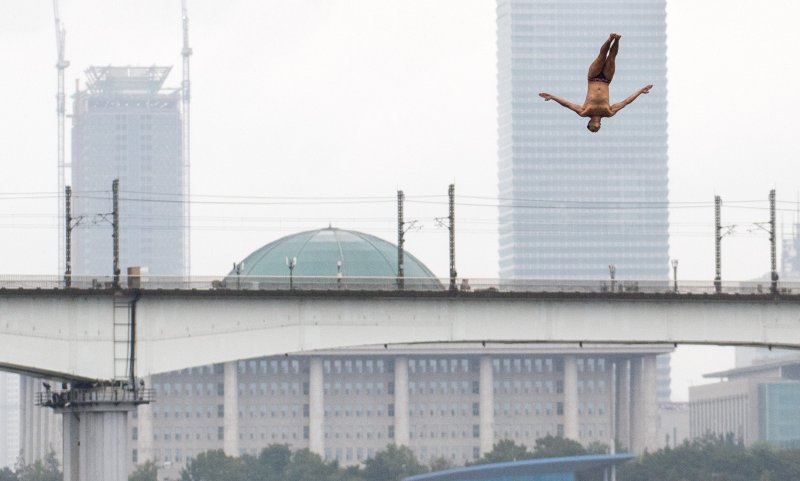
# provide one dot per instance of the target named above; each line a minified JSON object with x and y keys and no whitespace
{"x":600,"y":78}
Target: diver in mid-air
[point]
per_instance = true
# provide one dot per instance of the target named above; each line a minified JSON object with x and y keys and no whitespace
{"x":601,"y":71}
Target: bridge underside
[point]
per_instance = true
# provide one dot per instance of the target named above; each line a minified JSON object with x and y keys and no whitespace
{"x":87,"y":334}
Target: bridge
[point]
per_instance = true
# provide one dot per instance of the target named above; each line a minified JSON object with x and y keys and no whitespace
{"x":86,"y":332}
{"x":103,"y":335}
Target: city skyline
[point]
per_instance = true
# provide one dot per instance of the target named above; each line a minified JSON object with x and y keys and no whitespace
{"x":314,"y":52}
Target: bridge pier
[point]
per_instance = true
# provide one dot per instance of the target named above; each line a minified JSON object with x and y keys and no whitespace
{"x":486,"y":400}
{"x":401,"y":421}
{"x":571,"y":413}
{"x":230,"y":430}
{"x":95,"y":428}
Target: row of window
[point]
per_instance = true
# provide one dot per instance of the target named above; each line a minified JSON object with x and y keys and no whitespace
{"x":371,"y":366}
{"x":273,"y":366}
{"x":357,"y":366}
{"x":358,"y":410}
{"x":360,"y":433}
{"x":589,"y":386}
{"x":546,"y":409}
{"x":377,"y":388}
{"x":358,"y":388}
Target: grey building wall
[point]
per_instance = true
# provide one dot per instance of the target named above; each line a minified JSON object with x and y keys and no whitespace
{"x":9,"y":419}
{"x":455,"y":403}
{"x":573,"y":202}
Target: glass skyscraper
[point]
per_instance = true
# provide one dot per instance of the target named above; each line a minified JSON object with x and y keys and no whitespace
{"x":126,"y":126}
{"x":575,"y":202}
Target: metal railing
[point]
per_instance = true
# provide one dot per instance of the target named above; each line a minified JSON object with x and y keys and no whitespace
{"x":463,"y":285}
{"x":94,"y":396}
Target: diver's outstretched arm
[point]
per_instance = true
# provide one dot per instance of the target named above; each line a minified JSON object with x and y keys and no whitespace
{"x":574,"y":107}
{"x":620,"y":105}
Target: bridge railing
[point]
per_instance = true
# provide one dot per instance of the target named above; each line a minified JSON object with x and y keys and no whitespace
{"x":93,"y":396}
{"x":465,"y":285}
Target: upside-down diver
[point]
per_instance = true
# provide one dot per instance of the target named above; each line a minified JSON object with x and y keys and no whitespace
{"x":601,"y":71}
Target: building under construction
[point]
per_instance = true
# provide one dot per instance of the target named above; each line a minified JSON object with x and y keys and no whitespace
{"x":127,"y":126}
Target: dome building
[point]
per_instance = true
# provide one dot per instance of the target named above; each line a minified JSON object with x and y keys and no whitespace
{"x":330,"y":257}
{"x":452,"y":401}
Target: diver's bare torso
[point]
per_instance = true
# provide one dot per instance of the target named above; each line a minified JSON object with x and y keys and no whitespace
{"x":597,"y":100}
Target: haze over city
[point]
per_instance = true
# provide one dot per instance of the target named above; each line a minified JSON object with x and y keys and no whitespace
{"x":308,"y":114}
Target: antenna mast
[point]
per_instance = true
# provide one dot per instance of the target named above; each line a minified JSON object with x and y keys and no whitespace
{"x":61,"y":65}
{"x":186,"y":52}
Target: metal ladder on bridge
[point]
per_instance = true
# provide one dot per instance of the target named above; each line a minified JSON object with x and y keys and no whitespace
{"x":122,"y":338}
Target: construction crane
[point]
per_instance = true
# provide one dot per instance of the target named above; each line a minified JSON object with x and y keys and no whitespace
{"x":61,"y":65}
{"x":186,"y":52}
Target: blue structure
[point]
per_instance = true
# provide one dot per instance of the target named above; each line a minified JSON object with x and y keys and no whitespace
{"x":546,"y":469}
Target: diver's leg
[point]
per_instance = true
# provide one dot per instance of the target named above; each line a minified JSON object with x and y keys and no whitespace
{"x":596,"y":67}
{"x":611,"y":65}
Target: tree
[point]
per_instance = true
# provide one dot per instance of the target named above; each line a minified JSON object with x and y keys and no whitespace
{"x":718,"y":458}
{"x":7,"y":475}
{"x":271,"y":463}
{"x":596,"y":447}
{"x":213,"y":466}
{"x":554,"y":447}
{"x":47,"y":470}
{"x":439,"y":464}
{"x":308,"y":466}
{"x":505,"y":450}
{"x":392,"y":464}
{"x":145,"y":472}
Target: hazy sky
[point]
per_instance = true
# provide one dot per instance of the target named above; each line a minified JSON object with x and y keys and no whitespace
{"x":334,"y":98}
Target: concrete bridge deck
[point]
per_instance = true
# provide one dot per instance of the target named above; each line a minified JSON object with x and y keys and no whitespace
{"x":89,"y":333}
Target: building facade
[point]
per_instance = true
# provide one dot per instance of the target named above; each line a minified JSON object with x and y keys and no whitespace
{"x":573,"y":203}
{"x":759,"y":403}
{"x":442,"y":401}
{"x":126,"y":126}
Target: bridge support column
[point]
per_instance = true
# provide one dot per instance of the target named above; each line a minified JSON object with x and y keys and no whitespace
{"x":644,"y":404}
{"x":316,"y":407}
{"x":486,"y":404}
{"x":96,"y":443}
{"x":231,"y":407}
{"x":636,"y":410}
{"x":571,"y":398}
{"x":621,"y":402}
{"x":401,"y":428}
{"x":95,"y":428}
{"x":650,"y":401}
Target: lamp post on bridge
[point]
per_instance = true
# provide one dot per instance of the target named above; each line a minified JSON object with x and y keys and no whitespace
{"x":675,"y":275}
{"x":291,"y":264}
{"x":612,"y":271}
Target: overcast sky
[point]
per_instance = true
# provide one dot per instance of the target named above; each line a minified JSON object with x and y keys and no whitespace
{"x":334,"y":98}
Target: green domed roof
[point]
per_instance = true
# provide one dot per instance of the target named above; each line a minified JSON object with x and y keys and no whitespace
{"x":318,"y":253}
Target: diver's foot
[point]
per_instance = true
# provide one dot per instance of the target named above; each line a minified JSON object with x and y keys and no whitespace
{"x":615,"y":36}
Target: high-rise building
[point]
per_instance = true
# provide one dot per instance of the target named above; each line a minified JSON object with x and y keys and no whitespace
{"x":573,"y":202}
{"x":127,"y":126}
